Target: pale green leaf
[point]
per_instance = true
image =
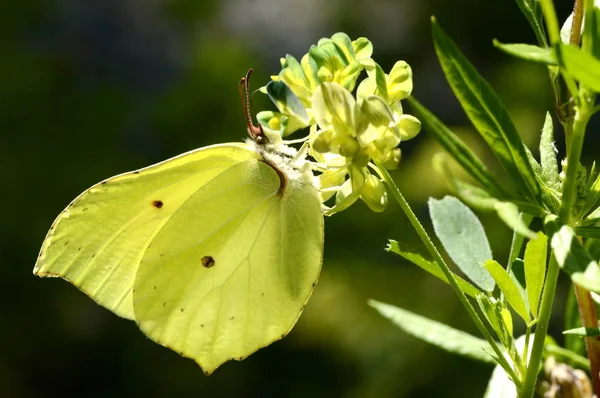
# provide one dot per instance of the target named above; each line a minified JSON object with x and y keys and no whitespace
{"x":548,"y":153}
{"x":529,"y":52}
{"x":509,"y":289}
{"x":463,"y":238}
{"x":535,"y":270}
{"x":583,"y":332}
{"x":438,"y":334}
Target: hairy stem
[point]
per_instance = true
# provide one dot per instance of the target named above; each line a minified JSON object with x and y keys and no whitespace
{"x":541,"y":330}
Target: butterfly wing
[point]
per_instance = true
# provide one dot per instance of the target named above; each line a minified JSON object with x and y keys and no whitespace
{"x":231,"y":271}
{"x":98,"y":241}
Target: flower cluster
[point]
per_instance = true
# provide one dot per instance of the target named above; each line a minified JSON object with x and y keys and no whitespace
{"x":348,"y":137}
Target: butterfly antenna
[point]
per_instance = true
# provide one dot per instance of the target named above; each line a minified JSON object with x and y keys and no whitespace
{"x":256,"y":132}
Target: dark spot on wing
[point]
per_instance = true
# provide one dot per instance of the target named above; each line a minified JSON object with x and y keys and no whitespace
{"x":79,"y":248}
{"x":182,"y":309}
{"x":262,"y":294}
{"x":165,"y":303}
{"x":93,"y":255}
{"x":201,"y":325}
{"x":84,"y":209}
{"x":231,"y":319}
{"x":103,"y":182}
{"x":208,"y":261}
{"x":162,"y":255}
{"x":157,"y":203}
{"x":154,"y":287}
{"x":314,"y":284}
{"x":66,"y":243}
{"x":136,"y":172}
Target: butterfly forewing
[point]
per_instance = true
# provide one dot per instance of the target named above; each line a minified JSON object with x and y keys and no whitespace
{"x":98,"y":241}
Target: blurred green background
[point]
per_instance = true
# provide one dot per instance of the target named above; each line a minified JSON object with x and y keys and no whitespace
{"x":90,"y":89}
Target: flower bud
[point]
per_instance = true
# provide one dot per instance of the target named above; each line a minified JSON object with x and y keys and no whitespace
{"x":374,"y":194}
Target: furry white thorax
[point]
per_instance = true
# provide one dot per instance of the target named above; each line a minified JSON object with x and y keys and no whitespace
{"x":289,"y":161}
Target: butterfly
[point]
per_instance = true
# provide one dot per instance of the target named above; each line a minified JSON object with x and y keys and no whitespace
{"x":213,"y":253}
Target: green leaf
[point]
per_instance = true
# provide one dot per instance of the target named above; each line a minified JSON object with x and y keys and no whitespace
{"x":535,"y":270}
{"x":438,"y":334}
{"x":486,"y":112}
{"x":509,"y":289}
{"x":498,"y":316}
{"x":588,"y":232}
{"x":528,"y":52}
{"x":572,"y":256}
{"x":500,"y":385}
{"x":548,"y":152}
{"x":463,"y":238}
{"x":584,"y":67}
{"x":429,"y":265}
{"x":480,"y":199}
{"x":593,"y":31}
{"x":583,"y":332}
{"x":457,"y":148}
{"x":532,"y":10}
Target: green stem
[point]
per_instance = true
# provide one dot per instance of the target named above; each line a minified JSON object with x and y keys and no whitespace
{"x":446,"y":270}
{"x":541,"y":330}
{"x":582,"y":116}
{"x":551,"y":21}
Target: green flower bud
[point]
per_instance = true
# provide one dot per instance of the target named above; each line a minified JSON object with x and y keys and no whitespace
{"x":391,"y":160}
{"x":399,"y":82}
{"x":322,"y":142}
{"x":374,"y":194}
{"x":409,"y":126}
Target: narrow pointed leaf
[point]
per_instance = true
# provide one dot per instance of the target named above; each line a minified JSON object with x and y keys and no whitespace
{"x":509,"y":289}
{"x":532,"y":10}
{"x":535,"y":270}
{"x":429,"y":265}
{"x":463,"y":238}
{"x":456,"y":148}
{"x":548,"y":154}
{"x":583,"y":332}
{"x":438,"y":334}
{"x":486,"y":112}
{"x":528,"y":52}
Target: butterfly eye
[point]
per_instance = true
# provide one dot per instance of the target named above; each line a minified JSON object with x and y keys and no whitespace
{"x":256,"y":132}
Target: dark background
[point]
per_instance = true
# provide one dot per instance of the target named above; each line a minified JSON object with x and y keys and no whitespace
{"x":93,"y":88}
